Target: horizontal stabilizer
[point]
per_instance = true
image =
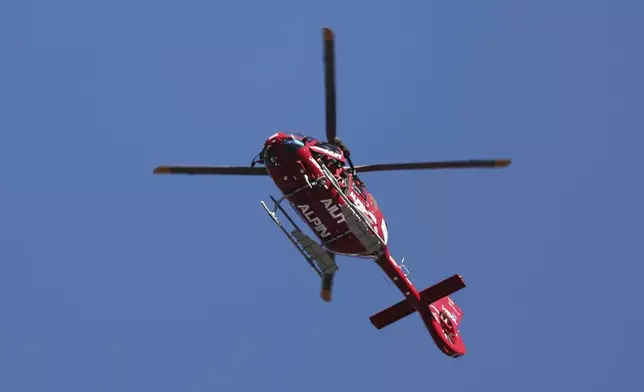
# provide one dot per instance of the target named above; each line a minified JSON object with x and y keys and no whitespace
{"x":392,"y":314}
{"x":404,"y":308}
{"x":442,"y":289}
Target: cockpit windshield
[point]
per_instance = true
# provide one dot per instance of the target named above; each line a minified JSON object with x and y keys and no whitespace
{"x":296,"y":143}
{"x":301,"y":136}
{"x":330,"y":147}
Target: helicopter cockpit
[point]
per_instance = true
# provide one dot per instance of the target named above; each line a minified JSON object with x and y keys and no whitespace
{"x":332,"y":148}
{"x":302,"y":137}
{"x":335,"y":150}
{"x":331,"y":155}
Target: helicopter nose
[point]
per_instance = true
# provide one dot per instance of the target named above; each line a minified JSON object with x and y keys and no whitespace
{"x":275,"y":138}
{"x":283,"y":146}
{"x":271,"y":147}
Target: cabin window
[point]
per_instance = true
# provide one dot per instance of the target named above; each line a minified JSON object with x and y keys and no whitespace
{"x":293,"y":144}
{"x":302,"y":137}
{"x":329,"y":147}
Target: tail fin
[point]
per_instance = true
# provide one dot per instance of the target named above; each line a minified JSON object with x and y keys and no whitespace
{"x":443,"y":326}
{"x":441,"y":318}
{"x":449,"y":308}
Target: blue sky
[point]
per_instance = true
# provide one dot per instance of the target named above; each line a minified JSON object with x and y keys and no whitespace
{"x":112,"y":279}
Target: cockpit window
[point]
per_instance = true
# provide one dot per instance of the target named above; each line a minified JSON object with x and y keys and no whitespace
{"x":301,"y":136}
{"x":294,"y":142}
{"x":328,"y":146}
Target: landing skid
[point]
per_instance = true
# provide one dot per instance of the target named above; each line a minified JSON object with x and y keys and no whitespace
{"x":319,"y":259}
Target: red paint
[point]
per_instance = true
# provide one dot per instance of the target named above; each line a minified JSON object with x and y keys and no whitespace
{"x":288,"y":172}
{"x":290,"y":160}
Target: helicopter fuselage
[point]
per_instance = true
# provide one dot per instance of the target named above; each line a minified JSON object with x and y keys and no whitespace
{"x":294,"y":165}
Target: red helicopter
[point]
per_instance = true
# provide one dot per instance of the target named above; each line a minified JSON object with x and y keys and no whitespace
{"x":318,"y":179}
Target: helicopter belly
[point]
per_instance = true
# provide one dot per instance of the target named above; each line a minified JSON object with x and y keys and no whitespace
{"x":324,"y":226}
{"x":315,"y":194}
{"x":328,"y":215}
{"x":323,"y":212}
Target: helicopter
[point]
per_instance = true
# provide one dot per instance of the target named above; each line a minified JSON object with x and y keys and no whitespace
{"x":322,"y":185}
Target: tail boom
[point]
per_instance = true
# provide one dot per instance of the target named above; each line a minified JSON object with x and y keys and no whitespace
{"x":439,"y":313}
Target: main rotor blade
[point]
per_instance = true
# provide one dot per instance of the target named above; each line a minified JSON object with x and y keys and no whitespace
{"x":329,"y":83}
{"x":326,"y":292}
{"x":475,"y":163}
{"x":225,"y":170}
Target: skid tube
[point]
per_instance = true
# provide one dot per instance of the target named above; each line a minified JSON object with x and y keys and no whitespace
{"x":273,"y":214}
